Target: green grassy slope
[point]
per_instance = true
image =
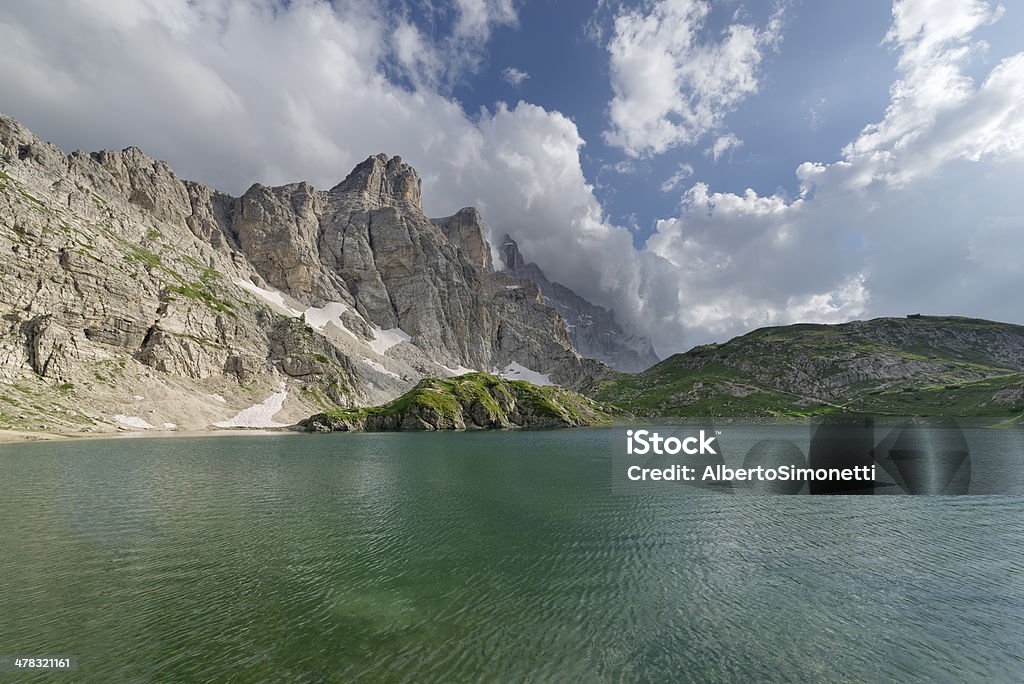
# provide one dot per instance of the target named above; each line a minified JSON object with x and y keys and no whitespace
{"x":936,"y":366}
{"x":470,"y":401}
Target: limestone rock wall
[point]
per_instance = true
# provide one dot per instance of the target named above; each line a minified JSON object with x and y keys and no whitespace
{"x":146,"y":296}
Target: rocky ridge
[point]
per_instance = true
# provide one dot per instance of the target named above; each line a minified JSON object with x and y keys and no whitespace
{"x":913,"y":366}
{"x":592,"y":329}
{"x":130,"y":298}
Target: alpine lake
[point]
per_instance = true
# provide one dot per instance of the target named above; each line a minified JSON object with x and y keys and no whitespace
{"x":487,"y":556}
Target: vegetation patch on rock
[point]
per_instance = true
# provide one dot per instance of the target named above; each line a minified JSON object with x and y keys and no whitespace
{"x":468,"y":402}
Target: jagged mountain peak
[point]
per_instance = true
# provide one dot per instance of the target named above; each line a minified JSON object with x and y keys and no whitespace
{"x":510,"y":254}
{"x":592,"y":329}
{"x":150,"y":301}
{"x":379,"y":182}
{"x":465,"y":229}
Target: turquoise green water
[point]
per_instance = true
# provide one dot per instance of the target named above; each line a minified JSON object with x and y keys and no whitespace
{"x":482,"y":557}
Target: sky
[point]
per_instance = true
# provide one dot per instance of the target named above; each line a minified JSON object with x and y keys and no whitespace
{"x":701,"y":167}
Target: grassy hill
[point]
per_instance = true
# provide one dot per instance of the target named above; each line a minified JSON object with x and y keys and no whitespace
{"x":914,"y":366}
{"x":470,"y":401}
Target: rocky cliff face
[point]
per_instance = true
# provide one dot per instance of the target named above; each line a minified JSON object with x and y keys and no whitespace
{"x":592,"y":329}
{"x":131,"y":298}
{"x":465,"y":229}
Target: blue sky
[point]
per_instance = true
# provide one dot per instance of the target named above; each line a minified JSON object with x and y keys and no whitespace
{"x":830,"y":75}
{"x":701,"y":167}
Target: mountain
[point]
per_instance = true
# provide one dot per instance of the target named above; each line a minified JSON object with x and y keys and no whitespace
{"x":592,"y":329}
{"x":131,"y":298}
{"x":470,"y":401}
{"x":919,"y":365}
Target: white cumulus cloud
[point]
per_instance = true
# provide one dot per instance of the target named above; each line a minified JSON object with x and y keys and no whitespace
{"x":514,"y":76}
{"x":682,"y":172}
{"x":918,"y":215}
{"x":723,"y":144}
{"x":672,"y":82}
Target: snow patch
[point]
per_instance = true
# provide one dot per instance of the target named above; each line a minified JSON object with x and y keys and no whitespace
{"x":458,"y":370}
{"x":331,"y":312}
{"x":512,"y":287}
{"x":269,"y":296}
{"x":516,"y":371}
{"x":217,"y":397}
{"x":170,"y":426}
{"x":380,"y":368}
{"x":258,"y":415}
{"x":386,"y":339}
{"x":319,"y":318}
{"x":139,"y":397}
{"x":133,"y":421}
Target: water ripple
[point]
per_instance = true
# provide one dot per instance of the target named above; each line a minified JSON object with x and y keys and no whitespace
{"x":483,"y":557}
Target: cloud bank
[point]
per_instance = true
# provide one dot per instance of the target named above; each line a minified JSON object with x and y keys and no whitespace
{"x":913,"y":217}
